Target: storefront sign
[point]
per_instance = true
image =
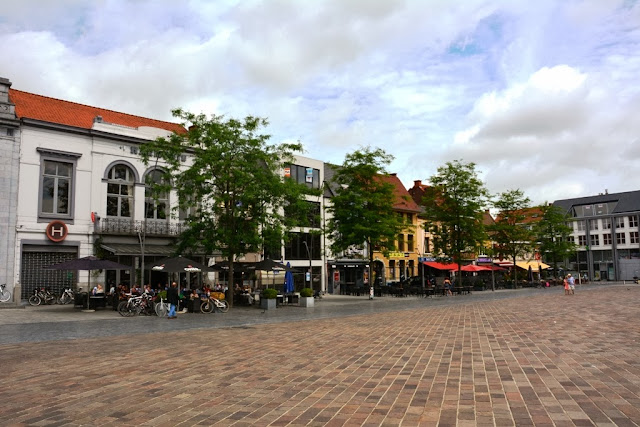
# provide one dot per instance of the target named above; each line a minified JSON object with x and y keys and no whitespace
{"x":398,"y":254}
{"x":57,"y":231}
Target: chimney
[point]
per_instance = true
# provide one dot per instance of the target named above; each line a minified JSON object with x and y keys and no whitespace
{"x":7,"y":108}
{"x":417,"y":183}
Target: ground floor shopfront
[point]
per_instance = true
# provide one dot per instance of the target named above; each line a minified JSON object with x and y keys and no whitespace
{"x":621,"y":264}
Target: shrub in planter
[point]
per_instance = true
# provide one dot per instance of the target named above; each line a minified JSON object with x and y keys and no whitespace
{"x":269,"y":293}
{"x":306,"y":292}
{"x":306,"y":297}
{"x":268,"y":299}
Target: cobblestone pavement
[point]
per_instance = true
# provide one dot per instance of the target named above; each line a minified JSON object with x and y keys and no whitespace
{"x":525,"y":357}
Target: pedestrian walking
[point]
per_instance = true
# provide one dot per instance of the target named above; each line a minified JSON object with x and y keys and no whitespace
{"x":572,"y":284}
{"x":172,"y":298}
{"x":447,"y":286}
{"x":566,"y":285}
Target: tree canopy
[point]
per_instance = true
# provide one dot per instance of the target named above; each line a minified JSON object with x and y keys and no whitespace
{"x":362,"y":209}
{"x":512,"y":236}
{"x":454,"y":205}
{"x":229,"y":181}
{"x":552,"y":235}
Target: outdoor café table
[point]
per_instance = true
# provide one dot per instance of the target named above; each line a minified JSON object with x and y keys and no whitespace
{"x":97,"y":301}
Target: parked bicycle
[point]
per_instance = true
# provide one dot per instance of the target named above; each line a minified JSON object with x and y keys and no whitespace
{"x":212,"y":303}
{"x":136,"y":305}
{"x":67,"y":296}
{"x":5,"y":295}
{"x":42,"y":296}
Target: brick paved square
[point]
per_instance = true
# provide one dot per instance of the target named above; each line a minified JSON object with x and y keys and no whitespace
{"x":532,"y":359}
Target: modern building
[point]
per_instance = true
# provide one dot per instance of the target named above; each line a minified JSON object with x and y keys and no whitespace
{"x":305,"y":247}
{"x":605,"y":228}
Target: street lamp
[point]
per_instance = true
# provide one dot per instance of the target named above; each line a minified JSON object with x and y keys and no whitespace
{"x":308,"y":253}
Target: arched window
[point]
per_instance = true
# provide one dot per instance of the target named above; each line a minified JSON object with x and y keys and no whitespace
{"x":120,"y":179}
{"x":155,"y":204}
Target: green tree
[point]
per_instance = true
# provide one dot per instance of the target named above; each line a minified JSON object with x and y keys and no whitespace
{"x":513,"y":238}
{"x":552,"y":235}
{"x":231,"y":182}
{"x":454,"y":204}
{"x":362,"y":209}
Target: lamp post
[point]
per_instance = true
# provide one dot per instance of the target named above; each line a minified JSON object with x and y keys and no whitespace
{"x":309,"y":253}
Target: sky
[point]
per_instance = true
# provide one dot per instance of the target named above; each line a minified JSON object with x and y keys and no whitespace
{"x":543,"y":96}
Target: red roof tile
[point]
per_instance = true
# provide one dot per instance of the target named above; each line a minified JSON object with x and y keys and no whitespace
{"x":404,"y":202}
{"x":51,"y":110}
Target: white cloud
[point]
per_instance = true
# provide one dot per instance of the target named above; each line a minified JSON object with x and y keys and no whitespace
{"x":542,"y":96}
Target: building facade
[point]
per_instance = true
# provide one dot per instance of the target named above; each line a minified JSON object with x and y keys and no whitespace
{"x":605,"y":229}
{"x":402,"y":263}
{"x":9,"y":172}
{"x":82,"y":192}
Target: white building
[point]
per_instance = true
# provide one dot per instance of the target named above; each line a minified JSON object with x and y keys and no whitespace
{"x":82,"y":192}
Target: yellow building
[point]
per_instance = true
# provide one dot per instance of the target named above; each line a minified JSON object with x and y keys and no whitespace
{"x":402,"y":263}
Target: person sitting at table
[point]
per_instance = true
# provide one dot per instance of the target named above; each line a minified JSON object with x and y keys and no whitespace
{"x":98,"y":290}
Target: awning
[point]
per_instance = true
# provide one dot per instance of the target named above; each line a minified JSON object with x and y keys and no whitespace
{"x":440,"y":266}
{"x":129,"y":249}
{"x":535,"y":265}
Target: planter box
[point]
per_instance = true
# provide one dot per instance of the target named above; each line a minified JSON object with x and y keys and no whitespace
{"x":267,"y":304}
{"x":306,"y":301}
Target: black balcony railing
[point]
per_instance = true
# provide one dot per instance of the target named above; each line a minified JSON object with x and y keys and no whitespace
{"x":148,"y":227}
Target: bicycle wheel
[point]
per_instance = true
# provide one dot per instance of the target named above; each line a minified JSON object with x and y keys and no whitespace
{"x":223,"y":306}
{"x":161,"y":309}
{"x":65,"y":299}
{"x":125,"y":309}
{"x":5,"y":295}
{"x":206,"y":306}
{"x":34,"y":300}
{"x":50,"y":299}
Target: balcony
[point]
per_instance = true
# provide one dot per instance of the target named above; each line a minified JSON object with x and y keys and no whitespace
{"x":130,"y":227}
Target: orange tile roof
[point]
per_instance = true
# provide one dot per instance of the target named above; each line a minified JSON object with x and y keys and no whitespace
{"x":51,"y":110}
{"x":404,"y":202}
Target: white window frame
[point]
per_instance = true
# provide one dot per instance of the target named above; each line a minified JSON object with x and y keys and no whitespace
{"x":48,"y":155}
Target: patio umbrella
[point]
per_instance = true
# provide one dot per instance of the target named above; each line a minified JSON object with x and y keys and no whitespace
{"x":288,"y":280}
{"x":179,"y":265}
{"x":269,"y":265}
{"x":88,"y":263}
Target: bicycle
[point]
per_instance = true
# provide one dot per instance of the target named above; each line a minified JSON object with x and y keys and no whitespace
{"x":66,"y":297}
{"x":40,"y":296}
{"x":162,"y":308}
{"x":212,"y":303}
{"x":5,"y":295}
{"x":135,"y":305}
